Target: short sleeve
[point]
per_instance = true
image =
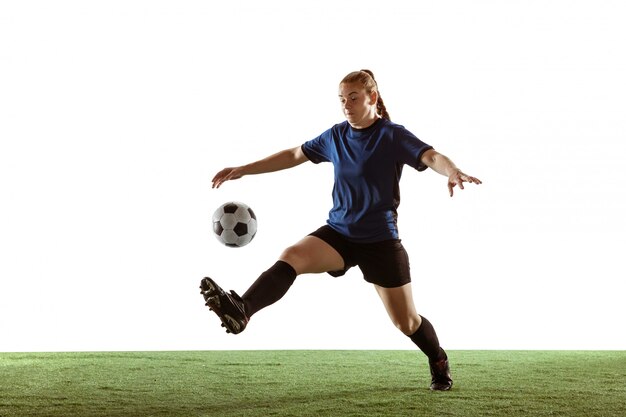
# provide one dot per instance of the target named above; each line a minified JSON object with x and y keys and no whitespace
{"x":410,"y":148}
{"x":318,"y":150}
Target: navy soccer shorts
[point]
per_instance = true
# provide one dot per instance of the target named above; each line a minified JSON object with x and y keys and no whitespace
{"x":384,"y":263}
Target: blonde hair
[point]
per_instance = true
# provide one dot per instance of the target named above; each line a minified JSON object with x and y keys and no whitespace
{"x":366,"y":79}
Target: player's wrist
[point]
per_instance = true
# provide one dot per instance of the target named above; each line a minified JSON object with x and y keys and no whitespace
{"x":453,"y":172}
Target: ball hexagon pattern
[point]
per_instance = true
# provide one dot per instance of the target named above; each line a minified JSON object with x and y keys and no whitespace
{"x":234,"y":224}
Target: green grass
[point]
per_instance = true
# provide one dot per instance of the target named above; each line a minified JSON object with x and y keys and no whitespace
{"x":311,"y":383}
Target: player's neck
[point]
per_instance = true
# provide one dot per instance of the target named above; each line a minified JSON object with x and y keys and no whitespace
{"x":365,"y":122}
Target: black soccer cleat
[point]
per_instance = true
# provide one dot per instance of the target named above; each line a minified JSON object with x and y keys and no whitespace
{"x":228,"y":307}
{"x":440,"y":372}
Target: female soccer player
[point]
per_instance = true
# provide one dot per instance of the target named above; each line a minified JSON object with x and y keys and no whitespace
{"x":368,"y":152}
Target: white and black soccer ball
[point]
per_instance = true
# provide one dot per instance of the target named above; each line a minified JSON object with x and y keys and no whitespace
{"x":234,"y":224}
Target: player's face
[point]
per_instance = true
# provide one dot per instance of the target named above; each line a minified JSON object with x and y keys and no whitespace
{"x":358,"y":106}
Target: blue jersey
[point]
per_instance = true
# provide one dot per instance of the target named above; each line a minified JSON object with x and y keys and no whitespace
{"x":368,"y":166}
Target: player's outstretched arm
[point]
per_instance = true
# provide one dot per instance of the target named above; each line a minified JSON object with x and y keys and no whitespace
{"x":288,"y":158}
{"x":444,"y":166}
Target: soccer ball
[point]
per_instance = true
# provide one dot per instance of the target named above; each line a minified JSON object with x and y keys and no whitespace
{"x":234,"y":224}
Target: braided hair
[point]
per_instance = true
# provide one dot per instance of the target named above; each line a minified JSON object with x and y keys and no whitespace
{"x":366,"y":79}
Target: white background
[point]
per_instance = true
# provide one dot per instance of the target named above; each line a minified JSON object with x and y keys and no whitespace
{"x":115,"y":115}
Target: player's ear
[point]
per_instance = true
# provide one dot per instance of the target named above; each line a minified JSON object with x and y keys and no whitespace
{"x":373,"y":97}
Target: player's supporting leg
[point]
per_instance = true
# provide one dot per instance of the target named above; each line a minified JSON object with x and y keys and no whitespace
{"x":401,"y":309}
{"x":309,"y":255}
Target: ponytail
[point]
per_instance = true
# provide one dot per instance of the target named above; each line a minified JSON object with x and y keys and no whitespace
{"x":381,"y":109}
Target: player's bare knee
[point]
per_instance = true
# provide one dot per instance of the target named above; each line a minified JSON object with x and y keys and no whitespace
{"x":408,"y":326}
{"x":294,"y":256}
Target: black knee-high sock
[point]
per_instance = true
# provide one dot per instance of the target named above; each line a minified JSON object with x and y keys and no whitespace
{"x":269,"y":287}
{"x":426,"y":339}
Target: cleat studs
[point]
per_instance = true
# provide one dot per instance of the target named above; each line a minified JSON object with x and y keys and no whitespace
{"x":214,"y":301}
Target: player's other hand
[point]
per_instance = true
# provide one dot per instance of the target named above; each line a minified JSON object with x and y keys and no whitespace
{"x":226,"y":174}
{"x":458,"y":178}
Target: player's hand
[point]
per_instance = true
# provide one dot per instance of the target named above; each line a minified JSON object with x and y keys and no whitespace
{"x":458,"y":178}
{"x":226,"y":174}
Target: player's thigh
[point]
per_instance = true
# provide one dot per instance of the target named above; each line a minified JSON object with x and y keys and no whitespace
{"x":400,"y":306}
{"x":312,"y":255}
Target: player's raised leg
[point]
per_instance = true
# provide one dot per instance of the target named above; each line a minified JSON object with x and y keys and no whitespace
{"x":401,"y":309}
{"x":309,"y":255}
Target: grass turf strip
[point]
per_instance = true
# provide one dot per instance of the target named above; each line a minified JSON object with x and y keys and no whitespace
{"x":311,"y":383}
